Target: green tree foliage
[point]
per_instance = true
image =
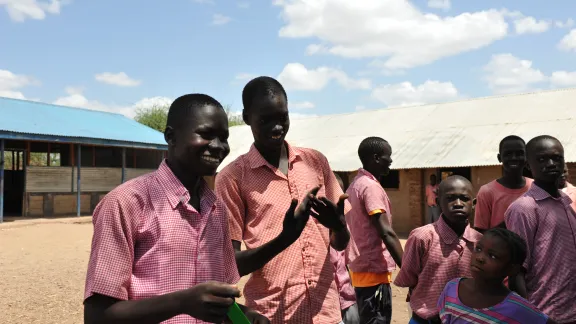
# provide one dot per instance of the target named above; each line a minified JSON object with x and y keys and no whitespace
{"x":155,"y":117}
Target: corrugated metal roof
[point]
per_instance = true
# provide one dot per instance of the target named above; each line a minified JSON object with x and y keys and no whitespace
{"x":457,"y":134}
{"x":29,"y":120}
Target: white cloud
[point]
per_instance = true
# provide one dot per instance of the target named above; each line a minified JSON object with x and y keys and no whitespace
{"x":439,"y":4}
{"x":302,"y":105}
{"x":245,"y":76}
{"x":296,"y":76}
{"x":75,"y":98}
{"x":527,"y":25}
{"x":568,"y":42}
{"x":218,"y":19}
{"x":20,"y":10}
{"x":565,"y":24}
{"x":11,"y":84}
{"x":563,"y":79}
{"x":394,"y":30}
{"x":506,"y":73}
{"x":406,"y":94}
{"x":120,"y":79}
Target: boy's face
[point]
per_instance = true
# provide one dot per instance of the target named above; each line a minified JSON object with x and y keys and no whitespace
{"x":547,"y":161}
{"x":491,"y":258}
{"x":564,"y":178}
{"x":513,"y":156}
{"x":456,"y":201}
{"x":384,"y":160}
{"x":269,"y":120}
{"x":201,"y":142}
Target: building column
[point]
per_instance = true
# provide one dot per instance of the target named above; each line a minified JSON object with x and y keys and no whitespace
{"x":78,"y":189}
{"x":2,"y":180}
{"x":123,"y":164}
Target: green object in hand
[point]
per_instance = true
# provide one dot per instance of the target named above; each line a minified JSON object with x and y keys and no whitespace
{"x":236,"y":315}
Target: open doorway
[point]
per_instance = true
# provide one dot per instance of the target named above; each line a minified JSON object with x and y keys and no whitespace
{"x":464,"y":172}
{"x":13,"y":182}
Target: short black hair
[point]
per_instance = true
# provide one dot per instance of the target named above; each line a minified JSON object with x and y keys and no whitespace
{"x":261,"y":86}
{"x":510,"y":138}
{"x":184,"y":105}
{"x":516,"y":245}
{"x":450,"y":179}
{"x":370,"y":146}
{"x":532,"y":143}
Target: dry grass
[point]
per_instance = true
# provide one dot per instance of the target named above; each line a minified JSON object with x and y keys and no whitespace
{"x":43,"y":267}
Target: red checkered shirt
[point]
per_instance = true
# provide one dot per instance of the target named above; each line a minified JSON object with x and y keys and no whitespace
{"x":367,"y":196}
{"x":342,"y":277}
{"x":434,"y":255}
{"x":297,"y":286}
{"x":149,"y":241}
{"x":548,"y":225}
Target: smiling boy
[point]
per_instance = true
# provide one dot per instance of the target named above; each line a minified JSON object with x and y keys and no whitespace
{"x":439,"y":252}
{"x":496,"y":196}
{"x":544,"y":218}
{"x":292,"y":280}
{"x":161,"y":249}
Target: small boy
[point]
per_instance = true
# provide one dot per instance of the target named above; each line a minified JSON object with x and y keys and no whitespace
{"x":544,"y":218}
{"x":431,"y":194}
{"x":370,"y":221}
{"x":439,"y":252}
{"x":567,"y":187}
{"x":161,"y":249}
{"x":484,"y":299}
{"x":496,"y":196}
{"x":342,"y":278}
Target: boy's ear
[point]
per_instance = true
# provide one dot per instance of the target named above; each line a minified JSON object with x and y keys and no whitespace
{"x":169,"y":135}
{"x":245,"y":117}
{"x":499,"y":158}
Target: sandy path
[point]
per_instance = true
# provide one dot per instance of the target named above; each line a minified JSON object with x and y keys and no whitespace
{"x":43,"y":267}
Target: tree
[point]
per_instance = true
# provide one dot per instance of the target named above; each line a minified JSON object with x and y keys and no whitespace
{"x":155,"y":117}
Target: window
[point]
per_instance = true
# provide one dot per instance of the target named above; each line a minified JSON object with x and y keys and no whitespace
{"x":391,"y":181}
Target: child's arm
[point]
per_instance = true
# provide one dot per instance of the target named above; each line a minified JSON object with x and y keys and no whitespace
{"x":388,"y":236}
{"x":483,"y":211}
{"x":253,"y":316}
{"x":411,"y":262}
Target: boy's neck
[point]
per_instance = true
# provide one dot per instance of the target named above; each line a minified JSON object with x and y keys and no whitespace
{"x":551,"y":188}
{"x":371,"y":171}
{"x":458,"y":228}
{"x":512,"y":180}
{"x":190,"y":181}
{"x":272,"y":156}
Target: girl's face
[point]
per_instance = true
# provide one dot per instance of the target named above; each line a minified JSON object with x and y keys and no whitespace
{"x":491,"y":258}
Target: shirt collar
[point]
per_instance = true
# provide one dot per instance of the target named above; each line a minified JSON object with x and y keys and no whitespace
{"x":256,"y":160}
{"x":175,"y":190}
{"x":449,"y":237}
{"x":540,"y":194}
{"x":363,"y":173}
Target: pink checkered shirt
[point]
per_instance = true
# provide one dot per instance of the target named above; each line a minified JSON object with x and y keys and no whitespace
{"x":366,"y":195}
{"x":148,"y":241}
{"x":549,"y":227}
{"x":434,"y":255}
{"x":297,"y":286}
{"x":570,"y":190}
{"x":342,"y":278}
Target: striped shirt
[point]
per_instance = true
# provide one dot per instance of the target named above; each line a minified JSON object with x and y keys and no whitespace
{"x":512,"y":310}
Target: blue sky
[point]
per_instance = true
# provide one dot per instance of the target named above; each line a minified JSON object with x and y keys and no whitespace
{"x":333,"y":56}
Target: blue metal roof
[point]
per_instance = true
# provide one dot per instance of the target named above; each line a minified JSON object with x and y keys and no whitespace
{"x":30,"y":120}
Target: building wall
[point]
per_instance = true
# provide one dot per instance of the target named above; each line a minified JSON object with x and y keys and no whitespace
{"x":51,"y":191}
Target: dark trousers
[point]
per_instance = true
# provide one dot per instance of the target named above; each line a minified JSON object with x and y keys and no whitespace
{"x":374,"y":304}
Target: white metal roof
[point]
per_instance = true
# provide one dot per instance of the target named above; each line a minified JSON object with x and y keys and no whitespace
{"x":457,"y":134}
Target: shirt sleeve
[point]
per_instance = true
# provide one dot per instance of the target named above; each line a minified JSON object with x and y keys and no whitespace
{"x":231,"y":276}
{"x":483,"y":212}
{"x":112,"y":254}
{"x":228,"y":190}
{"x":375,"y":200}
{"x":522,"y":220}
{"x":411,"y":262}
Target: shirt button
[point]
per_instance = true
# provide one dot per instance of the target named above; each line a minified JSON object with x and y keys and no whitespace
{"x":309,"y":282}
{"x":303,"y":249}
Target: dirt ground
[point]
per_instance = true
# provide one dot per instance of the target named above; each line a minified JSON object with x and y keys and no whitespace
{"x":43,"y":267}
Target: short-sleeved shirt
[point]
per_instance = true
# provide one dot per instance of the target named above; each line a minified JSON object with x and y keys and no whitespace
{"x":149,"y":241}
{"x":297,"y":286}
{"x":431,"y":194}
{"x":367,"y":198}
{"x":342,"y":278}
{"x":513,"y":309}
{"x":492,"y":201}
{"x":548,"y":225}
{"x":433,"y":256}
{"x":570,"y":190}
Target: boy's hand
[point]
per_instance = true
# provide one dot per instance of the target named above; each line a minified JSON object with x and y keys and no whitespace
{"x":329,"y":214}
{"x":256,"y":318}
{"x":209,"y":301}
{"x":296,"y":218}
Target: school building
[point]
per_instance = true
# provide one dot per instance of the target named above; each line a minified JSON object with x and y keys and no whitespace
{"x":60,"y":161}
{"x":443,"y":139}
